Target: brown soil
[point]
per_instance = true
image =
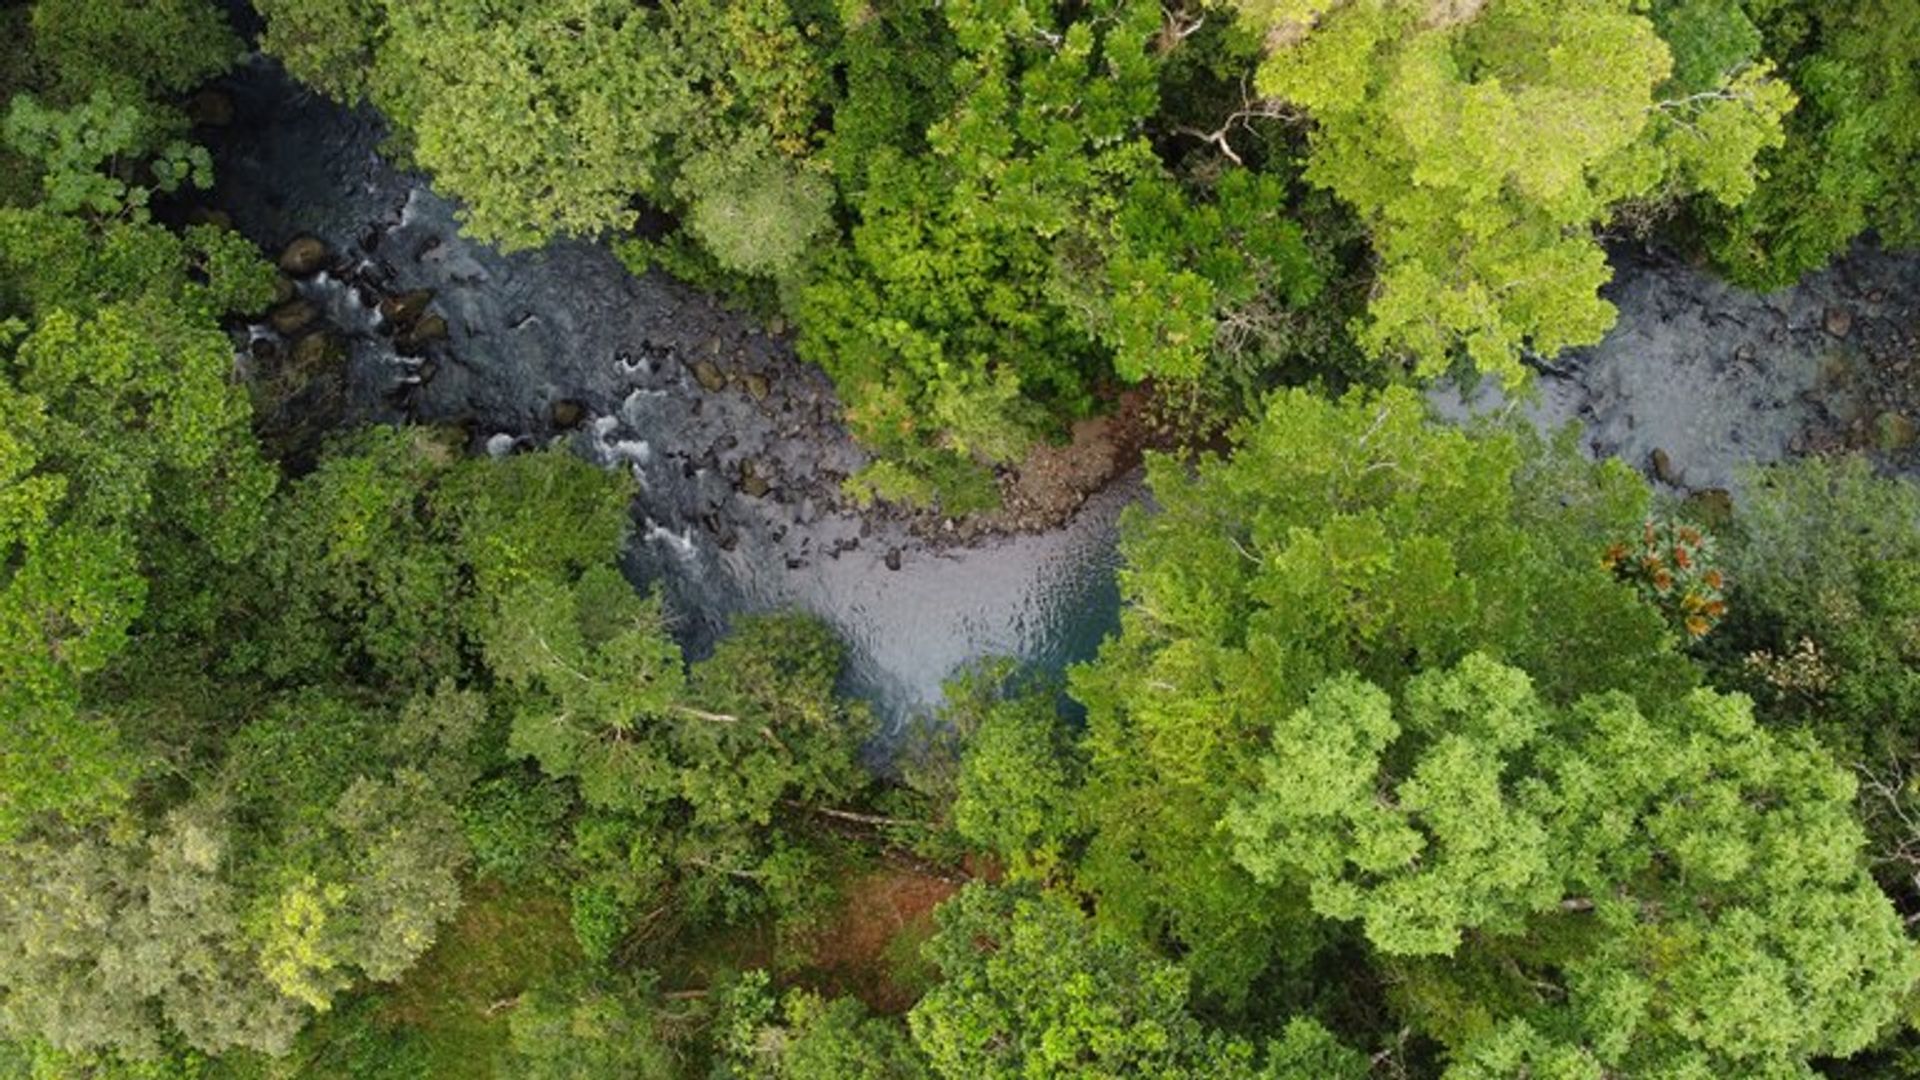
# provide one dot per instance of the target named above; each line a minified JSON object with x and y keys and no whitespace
{"x":1046,"y":488}
{"x":883,"y":917}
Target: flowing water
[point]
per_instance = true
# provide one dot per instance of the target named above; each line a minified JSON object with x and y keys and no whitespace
{"x":739,"y":475}
{"x":739,"y":452}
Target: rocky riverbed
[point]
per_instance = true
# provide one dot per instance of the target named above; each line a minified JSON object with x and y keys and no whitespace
{"x":390,"y":314}
{"x":1699,"y":379}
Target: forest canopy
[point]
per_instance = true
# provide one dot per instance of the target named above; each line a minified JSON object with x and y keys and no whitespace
{"x":1423,"y":748}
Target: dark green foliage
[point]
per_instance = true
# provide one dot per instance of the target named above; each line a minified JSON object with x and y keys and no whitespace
{"x":1825,"y":567}
{"x":1852,"y":144}
{"x":1031,"y":988}
{"x":586,"y":1028}
{"x":802,"y":1036}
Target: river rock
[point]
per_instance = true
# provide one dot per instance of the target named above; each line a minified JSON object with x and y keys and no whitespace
{"x":751,"y":482}
{"x":404,"y":309}
{"x":1663,"y":469}
{"x":427,"y":330}
{"x":709,"y":376}
{"x":567,"y":413}
{"x":283,"y":289}
{"x":1894,"y":431}
{"x":306,"y":256}
{"x":292,"y":317}
{"x":1839,"y":321}
{"x":893,"y":558}
{"x":316,"y":351}
{"x":757,"y":386}
{"x":264,"y":349}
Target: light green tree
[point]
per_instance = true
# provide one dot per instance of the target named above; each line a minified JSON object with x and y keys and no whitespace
{"x":1647,"y":891}
{"x":1483,"y":144}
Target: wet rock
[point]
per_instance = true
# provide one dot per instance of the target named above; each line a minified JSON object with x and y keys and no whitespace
{"x":1894,"y":431}
{"x":751,"y":482}
{"x":1745,"y":353}
{"x":404,"y":309}
{"x":210,"y":108}
{"x":757,"y":386}
{"x":316,"y":351}
{"x":426,"y":331}
{"x":305,"y":257}
{"x":893,"y":558}
{"x":265,"y":350}
{"x":1713,"y":507}
{"x":425,"y":372}
{"x":709,"y":376}
{"x":1839,"y":321}
{"x":1876,"y":296}
{"x":283,"y":289}
{"x":219,"y":219}
{"x":1663,"y":468}
{"x":567,"y":413}
{"x":292,"y":317}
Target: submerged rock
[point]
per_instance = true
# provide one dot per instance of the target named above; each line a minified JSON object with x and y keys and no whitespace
{"x":1894,"y":431}
{"x":210,"y":108}
{"x":751,"y":482}
{"x":292,"y":317}
{"x":709,"y":376}
{"x":315,"y":351}
{"x":567,"y":413}
{"x":414,"y":339}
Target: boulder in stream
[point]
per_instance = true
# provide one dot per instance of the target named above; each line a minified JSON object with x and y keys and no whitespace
{"x":305,"y":256}
{"x":404,"y":309}
{"x":425,"y":331}
{"x":1663,"y":468}
{"x":292,"y":317}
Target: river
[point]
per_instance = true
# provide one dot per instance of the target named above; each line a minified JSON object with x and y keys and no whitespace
{"x":739,"y":452}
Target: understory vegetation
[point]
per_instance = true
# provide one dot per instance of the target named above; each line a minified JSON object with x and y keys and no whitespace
{"x":1422,"y":749}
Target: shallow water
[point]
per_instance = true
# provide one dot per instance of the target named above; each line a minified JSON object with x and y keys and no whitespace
{"x":1713,"y":377}
{"x":569,"y":323}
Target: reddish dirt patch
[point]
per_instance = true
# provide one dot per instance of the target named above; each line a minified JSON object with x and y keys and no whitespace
{"x":883,"y":916}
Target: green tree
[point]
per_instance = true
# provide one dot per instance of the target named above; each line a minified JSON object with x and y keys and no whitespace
{"x":1665,"y":891}
{"x":586,"y":1027}
{"x":1031,"y":988}
{"x":802,"y":1036}
{"x":1851,"y":145}
{"x":125,"y":445}
{"x":1484,"y":143}
{"x":1350,"y":535}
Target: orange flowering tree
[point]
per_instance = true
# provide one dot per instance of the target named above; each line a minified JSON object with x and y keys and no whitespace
{"x":1675,"y":568}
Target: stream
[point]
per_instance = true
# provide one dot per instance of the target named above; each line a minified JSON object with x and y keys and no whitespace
{"x":738,"y":449}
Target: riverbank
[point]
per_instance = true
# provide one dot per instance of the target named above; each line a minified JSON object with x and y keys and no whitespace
{"x":740,"y":453}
